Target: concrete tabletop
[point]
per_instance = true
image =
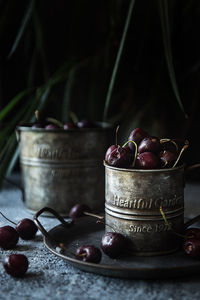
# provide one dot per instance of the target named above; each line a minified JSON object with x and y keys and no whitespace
{"x":50,"y":277}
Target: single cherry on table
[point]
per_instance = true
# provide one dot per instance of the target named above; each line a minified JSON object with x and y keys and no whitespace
{"x":26,"y":228}
{"x":16,"y":265}
{"x":9,"y":237}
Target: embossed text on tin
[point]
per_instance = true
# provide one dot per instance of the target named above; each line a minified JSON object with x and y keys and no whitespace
{"x":140,"y":203}
{"x":147,"y":228}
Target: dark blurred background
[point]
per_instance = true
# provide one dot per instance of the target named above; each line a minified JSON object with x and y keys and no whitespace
{"x":59,"y":56}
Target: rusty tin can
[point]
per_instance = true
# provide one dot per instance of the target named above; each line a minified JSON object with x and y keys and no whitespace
{"x":132,"y":207}
{"x":63,"y":167}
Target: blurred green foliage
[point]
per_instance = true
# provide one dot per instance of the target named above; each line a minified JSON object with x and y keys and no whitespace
{"x":59,"y":56}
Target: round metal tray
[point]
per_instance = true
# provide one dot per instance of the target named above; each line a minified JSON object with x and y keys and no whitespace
{"x":85,"y":230}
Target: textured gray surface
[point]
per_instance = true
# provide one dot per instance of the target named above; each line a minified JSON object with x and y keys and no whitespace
{"x":51,"y":277}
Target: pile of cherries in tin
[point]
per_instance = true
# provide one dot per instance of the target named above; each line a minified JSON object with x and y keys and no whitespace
{"x":115,"y":244}
{"x":16,"y":264}
{"x":143,"y":151}
{"x":53,"y":124}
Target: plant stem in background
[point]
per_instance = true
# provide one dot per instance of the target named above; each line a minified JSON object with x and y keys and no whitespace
{"x":163,"y":6}
{"x":116,"y":65}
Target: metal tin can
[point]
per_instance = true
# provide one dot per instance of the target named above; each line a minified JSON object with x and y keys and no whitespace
{"x":63,"y":167}
{"x":132,"y":207}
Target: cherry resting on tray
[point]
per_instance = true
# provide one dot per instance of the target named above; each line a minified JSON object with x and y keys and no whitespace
{"x":78,"y":210}
{"x":89,"y":253}
{"x":8,"y":237}
{"x":16,"y":265}
{"x":191,"y":244}
{"x":113,"y":244}
{"x":26,"y":228}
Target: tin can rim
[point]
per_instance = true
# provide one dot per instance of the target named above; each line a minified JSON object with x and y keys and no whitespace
{"x":143,"y":170}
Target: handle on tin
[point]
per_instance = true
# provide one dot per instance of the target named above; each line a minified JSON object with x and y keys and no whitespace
{"x":192,"y":221}
{"x":57,"y":215}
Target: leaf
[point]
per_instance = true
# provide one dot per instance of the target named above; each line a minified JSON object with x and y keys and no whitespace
{"x":163,"y":6}
{"x":12,"y":104}
{"x":116,"y":65}
{"x":22,"y":28}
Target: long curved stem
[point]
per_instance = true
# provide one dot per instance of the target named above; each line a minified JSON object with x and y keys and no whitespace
{"x":116,"y":65}
{"x":7,"y":219}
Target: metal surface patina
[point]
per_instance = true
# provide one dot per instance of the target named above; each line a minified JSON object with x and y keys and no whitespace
{"x":132,"y":207}
{"x":63,"y":167}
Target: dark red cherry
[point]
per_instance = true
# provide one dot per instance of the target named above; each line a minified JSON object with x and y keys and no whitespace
{"x":150,"y":144}
{"x":37,"y":125}
{"x":113,"y":244}
{"x":192,"y":247}
{"x":27,"y":229}
{"x":193,"y":232}
{"x":120,"y":157}
{"x":78,"y":210}
{"x":85,"y":124}
{"x":8,"y":237}
{"x":51,"y":126}
{"x":147,"y":160}
{"x":16,"y":265}
{"x":136,"y":135}
{"x":69,"y":125}
{"x":167,"y":158}
{"x":89,"y":253}
{"x":109,"y":150}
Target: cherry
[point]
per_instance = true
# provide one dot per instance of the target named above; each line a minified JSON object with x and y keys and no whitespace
{"x":16,"y":265}
{"x":168,"y":158}
{"x":37,"y":125}
{"x":193,"y":232}
{"x":78,"y":210}
{"x":51,"y":126}
{"x":191,"y":247}
{"x":69,"y":125}
{"x":150,"y":144}
{"x":85,"y":124}
{"x":136,"y":135}
{"x":120,"y":157}
{"x":89,"y":253}
{"x":109,"y":151}
{"x":8,"y":237}
{"x":147,"y":160}
{"x":26,"y":228}
{"x":113,"y":244}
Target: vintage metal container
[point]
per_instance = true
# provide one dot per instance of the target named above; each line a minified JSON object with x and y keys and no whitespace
{"x":132,"y":207}
{"x":63,"y":167}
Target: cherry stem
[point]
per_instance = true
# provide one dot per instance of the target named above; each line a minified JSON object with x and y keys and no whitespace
{"x":54,"y":121}
{"x":169,"y":225}
{"x":162,"y":141}
{"x":101,"y":222}
{"x":190,"y":168}
{"x":93,"y":215}
{"x":37,"y":115}
{"x":133,"y":164}
{"x":7,"y":219}
{"x":62,"y":247}
{"x":184,"y":148}
{"x":73,"y":117}
{"x":116,"y":134}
